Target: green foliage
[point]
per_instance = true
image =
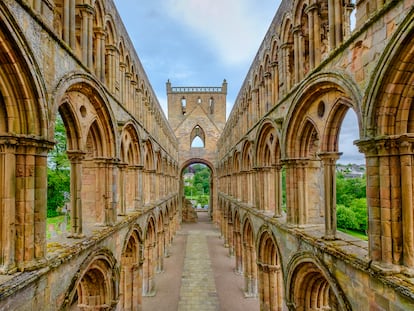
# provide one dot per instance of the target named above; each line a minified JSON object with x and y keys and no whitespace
{"x":351,"y":203}
{"x":58,"y":173}
{"x":198,"y":188}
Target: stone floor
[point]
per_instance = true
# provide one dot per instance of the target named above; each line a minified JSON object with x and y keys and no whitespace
{"x":199,"y":274}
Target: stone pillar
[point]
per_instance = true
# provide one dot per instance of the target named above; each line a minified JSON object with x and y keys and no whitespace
{"x":329,"y":171}
{"x":127,"y":91}
{"x":86,"y":34}
{"x":110,"y":80}
{"x":231,"y":236}
{"x":238,"y":252}
{"x":148,"y":289}
{"x":250,"y":272}
{"x":122,"y":70}
{"x":406,"y":158}
{"x":100,"y":53}
{"x":160,"y":251}
{"x":138,"y":201}
{"x":278,"y":190}
{"x":311,"y":21}
{"x":111,"y":192}
{"x":338,"y":22}
{"x":286,"y":49}
{"x":7,"y":205}
{"x":297,"y":50}
{"x":296,"y":191}
{"x":76,"y":157}
{"x":258,"y":188}
{"x":66,"y":20}
{"x":373,"y":198}
{"x":69,"y":26}
{"x":122,"y":188}
{"x":331,"y":18}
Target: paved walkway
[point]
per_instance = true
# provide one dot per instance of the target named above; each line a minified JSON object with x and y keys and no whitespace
{"x":199,"y":274}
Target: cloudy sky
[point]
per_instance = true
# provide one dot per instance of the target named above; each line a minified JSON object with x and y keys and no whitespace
{"x":202,"y":42}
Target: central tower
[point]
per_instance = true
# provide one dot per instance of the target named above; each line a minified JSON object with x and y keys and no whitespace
{"x":197,"y":116}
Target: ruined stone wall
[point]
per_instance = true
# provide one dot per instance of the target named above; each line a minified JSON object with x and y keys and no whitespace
{"x":309,"y":71}
{"x":74,"y":59}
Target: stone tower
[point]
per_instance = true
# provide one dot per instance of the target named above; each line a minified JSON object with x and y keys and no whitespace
{"x":197,"y":113}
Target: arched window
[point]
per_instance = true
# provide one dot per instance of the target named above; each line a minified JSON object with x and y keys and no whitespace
{"x":197,"y":138}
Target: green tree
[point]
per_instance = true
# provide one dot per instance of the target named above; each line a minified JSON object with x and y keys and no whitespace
{"x":58,"y":173}
{"x":346,"y":218}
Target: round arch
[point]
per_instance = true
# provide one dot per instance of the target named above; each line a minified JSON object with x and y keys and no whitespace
{"x":23,"y":105}
{"x":269,"y":261}
{"x":386,"y":110}
{"x":309,"y":99}
{"x":310,"y":286}
{"x":130,"y":290}
{"x":98,"y":121}
{"x":96,"y":283}
{"x":213,"y":210}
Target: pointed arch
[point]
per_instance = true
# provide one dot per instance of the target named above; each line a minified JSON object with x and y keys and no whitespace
{"x":197,"y":131}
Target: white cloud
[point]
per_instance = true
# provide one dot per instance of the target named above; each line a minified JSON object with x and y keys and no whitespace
{"x":229,"y":27}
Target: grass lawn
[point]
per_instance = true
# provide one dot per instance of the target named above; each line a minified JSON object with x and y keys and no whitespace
{"x":55,"y":223}
{"x":356,"y":234}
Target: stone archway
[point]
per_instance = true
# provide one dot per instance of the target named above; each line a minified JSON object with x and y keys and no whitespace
{"x":184,"y":207}
{"x":95,"y":286}
{"x":310,"y":286}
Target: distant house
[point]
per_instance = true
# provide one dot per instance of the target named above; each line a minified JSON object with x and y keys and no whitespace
{"x":351,"y":170}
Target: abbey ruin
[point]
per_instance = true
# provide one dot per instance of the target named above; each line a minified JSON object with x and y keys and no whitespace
{"x":74,"y":59}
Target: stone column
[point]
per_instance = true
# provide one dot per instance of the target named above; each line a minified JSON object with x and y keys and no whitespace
{"x":286,"y":50}
{"x":373,"y":198}
{"x":331,"y":18}
{"x":138,"y":201}
{"x":296,"y":188}
{"x":299,"y":61}
{"x":122,"y":69}
{"x":122,"y":188}
{"x":231,"y":236}
{"x":66,"y":20}
{"x":406,"y":158}
{"x":278,"y":190}
{"x":238,"y":252}
{"x":136,"y":286}
{"x":311,"y":18}
{"x":258,"y":188}
{"x":338,"y":22}
{"x":7,"y":205}
{"x":76,"y":157}
{"x":149,"y":283}
{"x":100,"y":53}
{"x":86,"y":34}
{"x":72,"y":23}
{"x":275,"y":86}
{"x":160,"y":251}
{"x":329,"y":171}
